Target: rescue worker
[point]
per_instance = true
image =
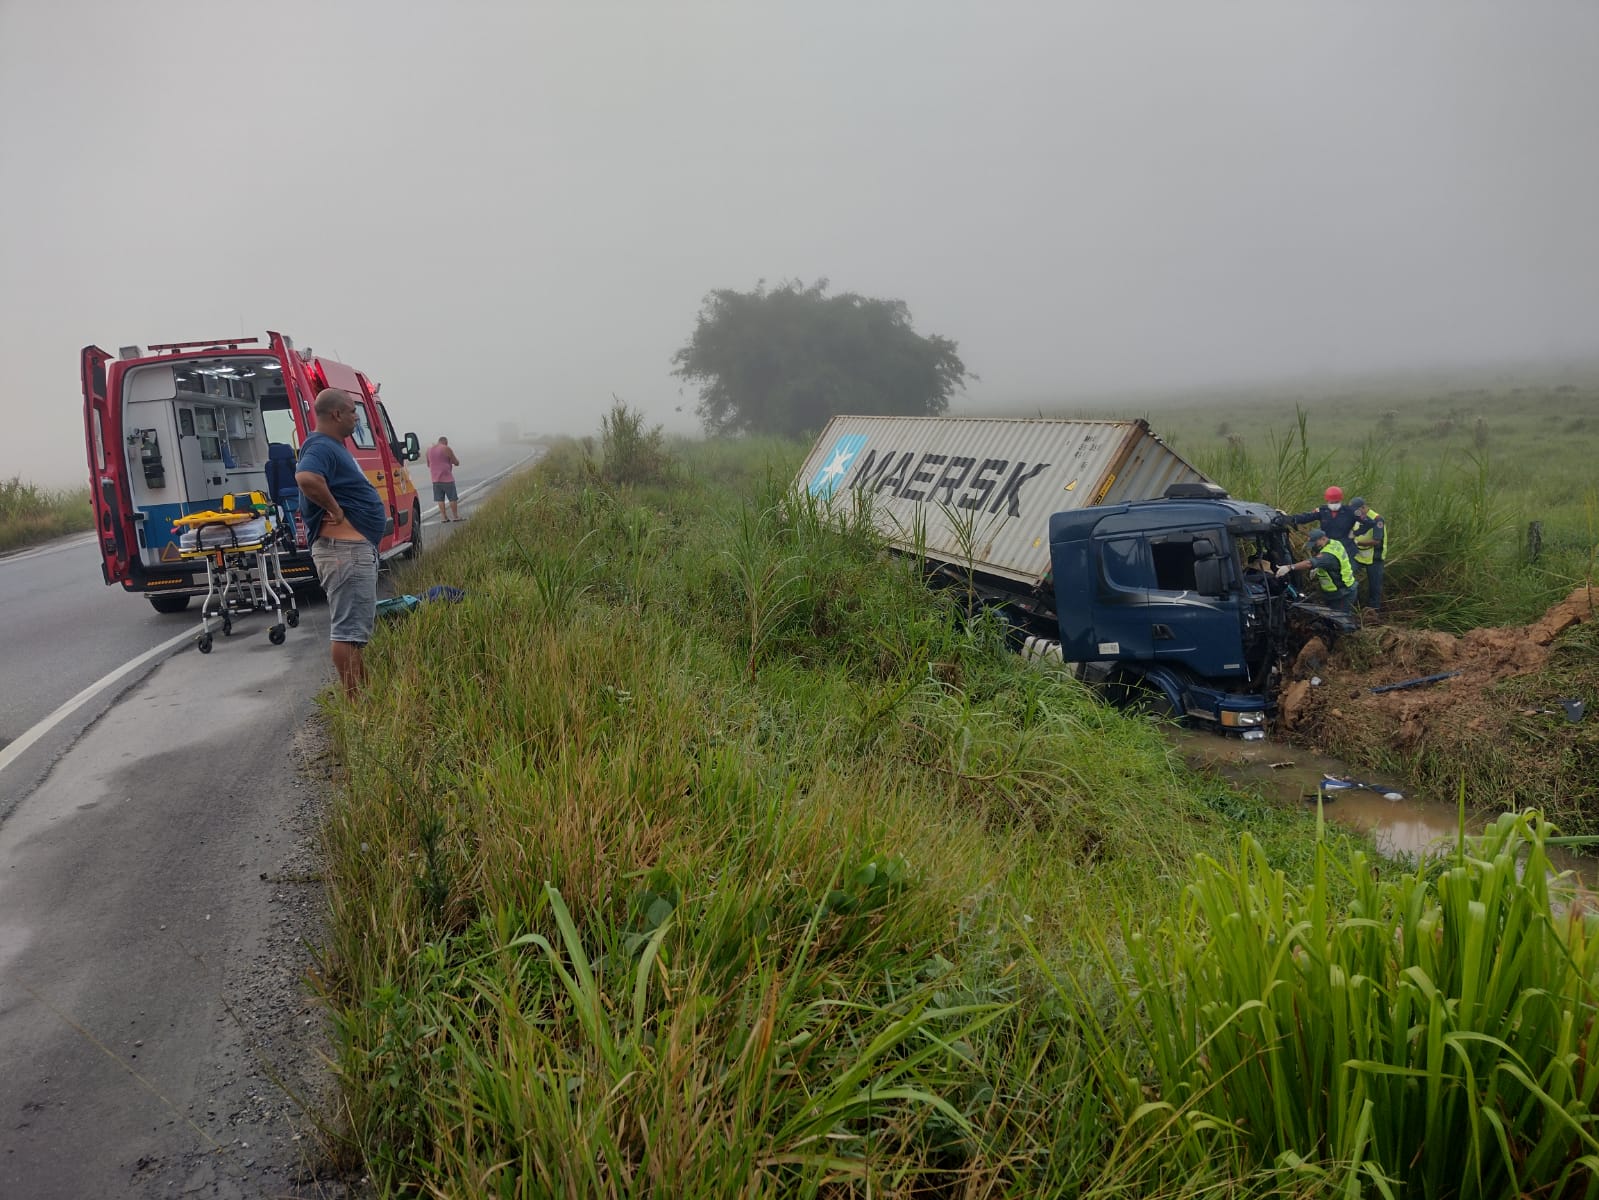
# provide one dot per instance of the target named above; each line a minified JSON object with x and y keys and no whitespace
{"x":1371,"y":548}
{"x":1335,"y":573}
{"x":1332,"y":517}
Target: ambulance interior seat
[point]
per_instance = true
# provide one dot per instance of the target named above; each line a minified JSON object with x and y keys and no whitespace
{"x":285,"y":493}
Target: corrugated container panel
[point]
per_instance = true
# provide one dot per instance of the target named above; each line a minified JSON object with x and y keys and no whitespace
{"x":1149,"y":471}
{"x":980,"y":490}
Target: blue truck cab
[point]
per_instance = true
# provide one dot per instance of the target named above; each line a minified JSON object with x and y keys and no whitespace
{"x":1174,"y":605}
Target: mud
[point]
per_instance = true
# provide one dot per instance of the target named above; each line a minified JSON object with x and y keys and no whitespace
{"x":1479,"y":658}
{"x":1496,"y":727}
{"x":1411,"y":826}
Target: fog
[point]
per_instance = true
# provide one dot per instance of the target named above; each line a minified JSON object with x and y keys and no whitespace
{"x":511,"y":211}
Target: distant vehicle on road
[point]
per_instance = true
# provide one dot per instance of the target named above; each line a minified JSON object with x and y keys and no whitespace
{"x":172,"y":429}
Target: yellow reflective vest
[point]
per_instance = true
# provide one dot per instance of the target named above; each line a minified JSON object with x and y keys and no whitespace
{"x":1366,"y":555}
{"x":1346,"y":569}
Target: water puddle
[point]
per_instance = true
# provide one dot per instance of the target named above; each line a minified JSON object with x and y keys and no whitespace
{"x":1408,"y":825}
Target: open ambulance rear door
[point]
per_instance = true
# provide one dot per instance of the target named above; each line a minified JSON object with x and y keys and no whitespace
{"x":108,"y":484}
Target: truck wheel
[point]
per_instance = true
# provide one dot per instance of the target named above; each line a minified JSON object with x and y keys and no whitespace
{"x":1128,"y":691}
{"x":169,"y":604}
{"x":1154,"y":702}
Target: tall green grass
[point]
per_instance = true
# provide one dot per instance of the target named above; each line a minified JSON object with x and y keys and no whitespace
{"x":632,"y":453}
{"x":701,"y":851}
{"x":30,"y":514}
{"x":1433,"y":1036}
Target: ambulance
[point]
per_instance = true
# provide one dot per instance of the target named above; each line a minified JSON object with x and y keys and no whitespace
{"x":172,"y":429}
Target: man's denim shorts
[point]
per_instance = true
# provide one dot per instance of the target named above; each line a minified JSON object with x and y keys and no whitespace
{"x":349,"y":574}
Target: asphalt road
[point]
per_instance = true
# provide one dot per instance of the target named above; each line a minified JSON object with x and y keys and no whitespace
{"x":139,"y":889}
{"x":64,"y":630}
{"x":159,"y":902}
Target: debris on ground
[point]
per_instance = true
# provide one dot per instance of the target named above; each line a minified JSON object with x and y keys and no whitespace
{"x":399,"y":606}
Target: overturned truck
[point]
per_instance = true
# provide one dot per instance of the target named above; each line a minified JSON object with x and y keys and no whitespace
{"x":1096,"y":542}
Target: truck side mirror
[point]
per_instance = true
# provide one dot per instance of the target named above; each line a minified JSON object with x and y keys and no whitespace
{"x":413,"y":448}
{"x":1203,"y":549}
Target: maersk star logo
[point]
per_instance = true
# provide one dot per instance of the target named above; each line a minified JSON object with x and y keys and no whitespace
{"x":832,"y":473}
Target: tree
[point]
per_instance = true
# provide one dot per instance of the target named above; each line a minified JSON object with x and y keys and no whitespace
{"x":784,"y":360}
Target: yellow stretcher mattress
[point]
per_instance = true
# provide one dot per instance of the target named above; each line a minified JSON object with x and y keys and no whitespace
{"x":212,"y":517}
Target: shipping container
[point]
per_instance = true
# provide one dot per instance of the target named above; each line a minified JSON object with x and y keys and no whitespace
{"x":978,"y":492}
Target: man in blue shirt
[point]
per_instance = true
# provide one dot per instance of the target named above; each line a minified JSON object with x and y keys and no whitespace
{"x":344,"y":522}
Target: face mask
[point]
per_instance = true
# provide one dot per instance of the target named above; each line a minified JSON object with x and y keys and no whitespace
{"x":1335,"y":506}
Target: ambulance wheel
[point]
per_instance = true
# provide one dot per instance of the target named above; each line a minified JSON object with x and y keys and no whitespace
{"x":292,"y":617}
{"x":414,"y":549}
{"x":276,"y":634}
{"x":203,"y":643}
{"x":169,"y":604}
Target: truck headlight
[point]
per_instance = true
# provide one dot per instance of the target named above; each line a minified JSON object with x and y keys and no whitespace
{"x":1242,"y":720}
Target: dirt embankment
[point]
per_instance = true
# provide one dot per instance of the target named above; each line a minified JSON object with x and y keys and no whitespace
{"x":1498,"y":722}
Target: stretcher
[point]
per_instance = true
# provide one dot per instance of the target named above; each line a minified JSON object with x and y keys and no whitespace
{"x":243,"y":571}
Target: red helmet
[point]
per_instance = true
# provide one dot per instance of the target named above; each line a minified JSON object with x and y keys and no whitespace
{"x":1335,"y":493}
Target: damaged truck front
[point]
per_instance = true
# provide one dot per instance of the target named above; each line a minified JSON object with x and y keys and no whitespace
{"x":1096,"y":542}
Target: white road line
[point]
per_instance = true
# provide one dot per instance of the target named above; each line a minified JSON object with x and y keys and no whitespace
{"x":48,"y":548}
{"x":14,"y":751}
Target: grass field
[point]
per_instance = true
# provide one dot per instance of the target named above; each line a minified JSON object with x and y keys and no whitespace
{"x":701,"y":851}
{"x":31,"y":514}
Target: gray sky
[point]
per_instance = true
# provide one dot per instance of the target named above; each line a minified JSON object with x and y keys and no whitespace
{"x":511,"y":211}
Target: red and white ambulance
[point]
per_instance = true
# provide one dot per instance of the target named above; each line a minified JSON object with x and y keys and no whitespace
{"x":171,"y":429}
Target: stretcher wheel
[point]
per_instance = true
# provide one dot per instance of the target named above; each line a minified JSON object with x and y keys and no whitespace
{"x":203,"y":643}
{"x":292,"y":617}
{"x":276,"y":634}
{"x":227,"y":625}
